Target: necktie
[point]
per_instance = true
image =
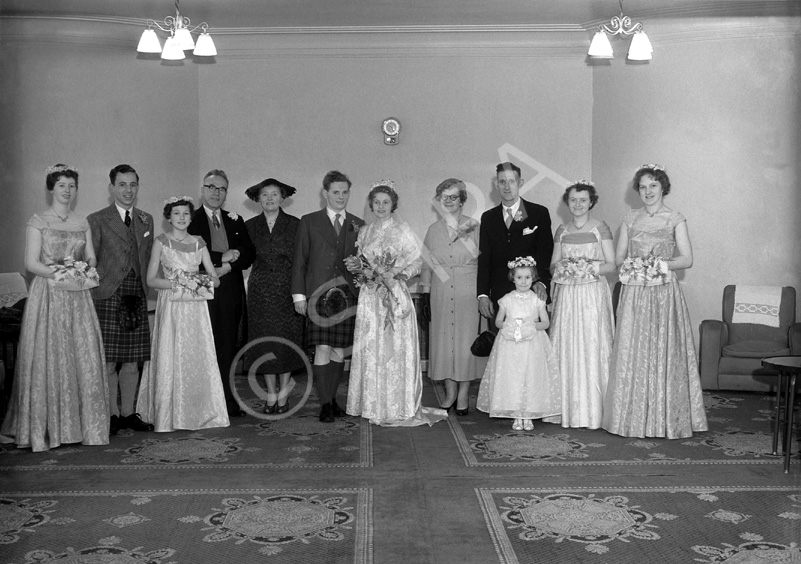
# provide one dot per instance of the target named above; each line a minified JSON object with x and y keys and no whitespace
{"x":337,"y":223}
{"x":214,"y":220}
{"x":127,"y":218}
{"x":508,"y":217}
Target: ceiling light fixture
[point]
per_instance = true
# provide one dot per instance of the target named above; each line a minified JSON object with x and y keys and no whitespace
{"x":180,"y":39}
{"x":640,"y":48}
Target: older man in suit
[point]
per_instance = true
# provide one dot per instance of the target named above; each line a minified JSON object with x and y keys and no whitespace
{"x":323,"y":289}
{"x":231,"y":252}
{"x":515,"y":228}
{"x":123,"y":236}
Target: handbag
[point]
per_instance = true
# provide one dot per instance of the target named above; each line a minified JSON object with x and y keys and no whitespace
{"x":482,"y":345}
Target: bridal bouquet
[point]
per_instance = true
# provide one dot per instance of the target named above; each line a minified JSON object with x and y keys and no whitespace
{"x":378,"y":275}
{"x":575,"y":270}
{"x":650,"y":270}
{"x":73,"y":275}
{"x":190,"y":286}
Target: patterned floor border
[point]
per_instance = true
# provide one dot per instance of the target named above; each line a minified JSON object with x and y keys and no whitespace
{"x":365,"y":461}
{"x":471,"y":461}
{"x":564,"y":514}
{"x":221,"y":529}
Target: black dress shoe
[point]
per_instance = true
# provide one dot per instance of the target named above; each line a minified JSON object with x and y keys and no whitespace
{"x":133,"y":421}
{"x":336,"y":410}
{"x":450,"y":407}
{"x":464,"y":411}
{"x":268,"y":409}
{"x":114,"y":426}
{"x":327,"y":413}
{"x":282,"y":408}
{"x":236,"y":412}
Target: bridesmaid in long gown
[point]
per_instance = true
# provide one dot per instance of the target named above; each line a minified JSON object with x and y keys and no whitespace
{"x":386,"y":380}
{"x":583,"y":324}
{"x":450,"y":278}
{"x":181,"y":386}
{"x":59,"y":394}
{"x":654,"y":387}
{"x":271,"y":312}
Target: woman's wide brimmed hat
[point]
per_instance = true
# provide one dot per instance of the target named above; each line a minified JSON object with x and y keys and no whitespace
{"x":253,"y":191}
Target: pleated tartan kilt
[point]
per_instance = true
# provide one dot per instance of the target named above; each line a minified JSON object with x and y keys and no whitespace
{"x":321,"y":330}
{"x":122,"y":345}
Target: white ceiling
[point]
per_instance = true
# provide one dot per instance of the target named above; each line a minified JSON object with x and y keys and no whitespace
{"x":260,"y":14}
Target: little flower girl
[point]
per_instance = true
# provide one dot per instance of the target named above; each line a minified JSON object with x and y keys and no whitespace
{"x":522,"y":376}
{"x":181,"y":386}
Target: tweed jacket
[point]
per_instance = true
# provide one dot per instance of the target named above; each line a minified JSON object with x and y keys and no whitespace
{"x":319,"y":258}
{"x":114,"y":250}
{"x":530,"y":236}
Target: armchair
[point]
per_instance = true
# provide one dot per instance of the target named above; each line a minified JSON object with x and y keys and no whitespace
{"x":731,"y":353}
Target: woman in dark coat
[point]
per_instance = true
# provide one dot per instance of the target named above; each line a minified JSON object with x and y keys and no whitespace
{"x":271,"y":312}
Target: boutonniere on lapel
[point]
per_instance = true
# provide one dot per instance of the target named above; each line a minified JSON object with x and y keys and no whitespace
{"x":354,"y":227}
{"x":530,"y":230}
{"x":233,"y":215}
{"x":518,"y":216}
{"x":143,"y":218}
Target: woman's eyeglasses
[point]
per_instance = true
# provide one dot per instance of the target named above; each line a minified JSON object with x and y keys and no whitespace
{"x":455,"y":198}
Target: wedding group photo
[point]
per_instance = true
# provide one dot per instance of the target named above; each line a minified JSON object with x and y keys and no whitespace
{"x":432,"y":284}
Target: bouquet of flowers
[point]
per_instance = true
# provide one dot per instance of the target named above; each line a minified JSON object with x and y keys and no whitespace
{"x":73,"y":275}
{"x":378,"y":275}
{"x":190,"y":286}
{"x":575,"y":270}
{"x":649,"y":270}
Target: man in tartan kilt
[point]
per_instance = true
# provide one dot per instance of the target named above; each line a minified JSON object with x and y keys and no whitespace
{"x":122,"y":236}
{"x":323,"y":289}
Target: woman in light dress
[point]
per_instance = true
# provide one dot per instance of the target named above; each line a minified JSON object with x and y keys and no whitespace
{"x":59,"y":395}
{"x":386,"y":380}
{"x":449,"y":278}
{"x":654,"y":387}
{"x":181,"y":386}
{"x":582,"y":329}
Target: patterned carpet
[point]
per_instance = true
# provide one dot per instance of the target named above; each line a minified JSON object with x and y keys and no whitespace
{"x":469,"y":491}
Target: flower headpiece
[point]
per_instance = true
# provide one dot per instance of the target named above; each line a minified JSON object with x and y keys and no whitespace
{"x":521,"y":261}
{"x":384,"y":182}
{"x":582,"y":182}
{"x":60,"y":168}
{"x":653,"y":167}
{"x":176,"y":199}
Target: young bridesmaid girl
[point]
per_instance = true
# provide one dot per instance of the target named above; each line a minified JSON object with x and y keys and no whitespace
{"x":522,"y":376}
{"x":181,"y":386}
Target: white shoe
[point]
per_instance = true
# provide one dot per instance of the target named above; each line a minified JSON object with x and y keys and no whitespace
{"x":517,"y":425}
{"x":528,"y":425}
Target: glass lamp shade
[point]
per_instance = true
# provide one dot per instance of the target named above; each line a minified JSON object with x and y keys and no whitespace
{"x":172,"y":50}
{"x":640,"y":48}
{"x":205,"y":46}
{"x":149,"y":42}
{"x":184,"y":39}
{"x":600,"y":47}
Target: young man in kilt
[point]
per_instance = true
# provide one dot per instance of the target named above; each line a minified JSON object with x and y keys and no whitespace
{"x":123,"y":236}
{"x":323,"y":289}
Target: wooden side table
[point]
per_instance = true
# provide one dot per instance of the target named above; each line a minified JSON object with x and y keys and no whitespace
{"x":788,"y":367}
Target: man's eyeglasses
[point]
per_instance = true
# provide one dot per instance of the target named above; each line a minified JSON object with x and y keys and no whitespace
{"x":214,"y":188}
{"x":453,"y":198}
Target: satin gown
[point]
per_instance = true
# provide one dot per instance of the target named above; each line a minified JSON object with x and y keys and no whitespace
{"x":522,"y":375}
{"x":60,"y":394}
{"x":181,"y":386}
{"x":582,"y":331}
{"x":654,"y":387}
{"x":386,"y":380}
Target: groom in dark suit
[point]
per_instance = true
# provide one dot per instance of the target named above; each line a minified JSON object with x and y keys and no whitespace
{"x":323,"y":289}
{"x":515,"y":228}
{"x":231,"y":252}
